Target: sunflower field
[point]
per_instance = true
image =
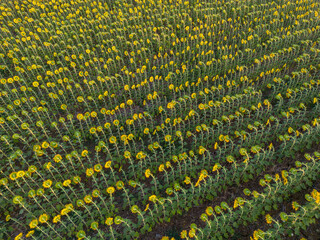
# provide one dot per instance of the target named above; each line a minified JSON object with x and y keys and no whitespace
{"x":159,"y":119}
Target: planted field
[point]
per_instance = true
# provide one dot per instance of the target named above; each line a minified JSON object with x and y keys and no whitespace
{"x":141,"y":119}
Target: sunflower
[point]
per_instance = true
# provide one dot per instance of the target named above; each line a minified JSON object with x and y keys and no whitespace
{"x":127,"y":154}
{"x":20,"y":174}
{"x":30,"y":233}
{"x":148,"y":173}
{"x":116,"y":122}
{"x":109,"y":221}
{"x":95,"y":193}
{"x":119,"y":185}
{"x":89,"y":172}
{"x":268,"y":219}
{"x":84,"y":153}
{"x":202,"y":150}
{"x":94,"y":225}
{"x":112,"y":139}
{"x":13,"y":176}
{"x":93,"y":130}
{"x":33,"y":223}
{"x":108,"y":164}
{"x":43,"y":218}
{"x":97,"y":167}
{"x":32,"y":169}
{"x":110,"y":190}
{"x":63,"y":106}
{"x":45,"y":145}
{"x":57,"y":158}
{"x":167,"y":138}
{"x":47,"y":183}
{"x":88,"y":199}
{"x":187,"y":180}
{"x":66,"y":183}
{"x":56,"y":219}
{"x":295,"y":205}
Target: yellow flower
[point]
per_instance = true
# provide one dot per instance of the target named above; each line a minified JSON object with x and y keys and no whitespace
{"x":216,"y":167}
{"x":47,"y":183}
{"x":97,"y":167}
{"x":93,"y":130}
{"x":30,"y":233}
{"x":108,"y":164}
{"x":147,"y":207}
{"x":184,"y":234}
{"x":167,"y":138}
{"x":236,"y":204}
{"x":209,"y":211}
{"x":192,"y":232}
{"x":201,"y":177}
{"x":32,"y":169}
{"x":57,"y":158}
{"x":95,"y":193}
{"x":93,"y":114}
{"x":148,"y":173}
{"x":295,"y":206}
{"x":284,"y":176}
{"x":45,"y":144}
{"x":109,"y":221}
{"x":79,"y":116}
{"x":64,"y":106}
{"x":110,"y":190}
{"x":268,"y":219}
{"x":221,"y":138}
{"x":64,"y":211}
{"x":33,"y":223}
{"x":56,"y":219}
{"x":119,"y":185}
{"x":88,"y":199}
{"x":112,"y":139}
{"x":140,"y":155}
{"x":16,"y":102}
{"x":19,"y":236}
{"x":89,"y":172}
{"x":116,"y":122}
{"x":127,"y":154}
{"x":152,"y":198}
{"x":230,"y":159}
{"x":161,"y":168}
{"x":20,"y":174}
{"x":43,"y":218}
{"x":66,"y":183}
{"x":187,"y":180}
{"x":202,"y":150}
{"x":13,"y":176}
